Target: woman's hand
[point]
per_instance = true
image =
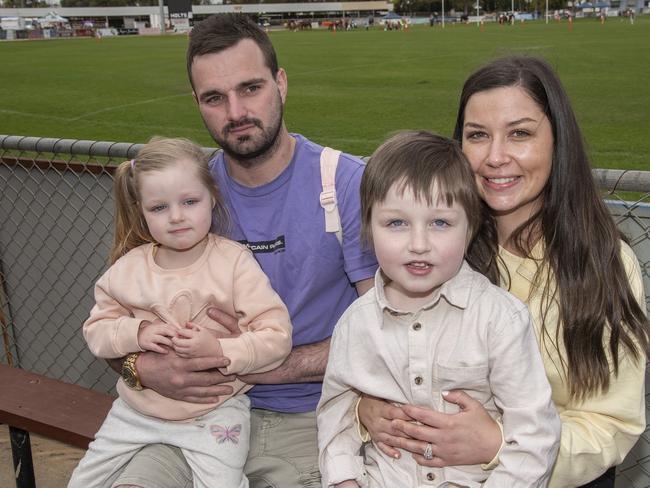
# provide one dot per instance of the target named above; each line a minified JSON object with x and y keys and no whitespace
{"x":470,"y":436}
{"x":377,"y":417}
{"x":347,"y":484}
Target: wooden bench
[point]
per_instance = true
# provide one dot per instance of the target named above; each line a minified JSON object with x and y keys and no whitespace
{"x":61,"y":411}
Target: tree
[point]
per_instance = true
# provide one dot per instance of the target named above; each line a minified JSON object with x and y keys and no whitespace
{"x":24,"y":4}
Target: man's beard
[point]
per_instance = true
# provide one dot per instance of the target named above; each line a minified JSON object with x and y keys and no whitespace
{"x":263,"y":148}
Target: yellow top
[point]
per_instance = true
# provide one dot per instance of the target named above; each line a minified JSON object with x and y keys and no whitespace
{"x":599,"y":432}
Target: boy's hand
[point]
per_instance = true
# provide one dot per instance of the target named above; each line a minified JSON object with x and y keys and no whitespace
{"x":155,"y":336}
{"x":194,"y":341}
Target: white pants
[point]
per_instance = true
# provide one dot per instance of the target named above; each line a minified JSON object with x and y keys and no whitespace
{"x":213,"y":445}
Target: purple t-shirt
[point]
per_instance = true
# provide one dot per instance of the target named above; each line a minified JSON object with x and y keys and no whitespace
{"x":283,"y":223}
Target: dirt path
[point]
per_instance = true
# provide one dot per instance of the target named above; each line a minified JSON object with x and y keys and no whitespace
{"x":53,"y":461}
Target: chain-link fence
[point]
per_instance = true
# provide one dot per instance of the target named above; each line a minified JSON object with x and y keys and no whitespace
{"x":56,"y":213}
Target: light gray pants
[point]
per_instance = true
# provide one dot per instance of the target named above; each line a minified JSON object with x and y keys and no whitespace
{"x":283,"y":454}
{"x":215,"y":445}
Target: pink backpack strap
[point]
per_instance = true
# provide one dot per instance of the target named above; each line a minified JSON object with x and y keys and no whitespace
{"x":329,"y":159}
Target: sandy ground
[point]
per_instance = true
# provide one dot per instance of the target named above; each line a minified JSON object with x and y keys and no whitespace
{"x":53,"y":461}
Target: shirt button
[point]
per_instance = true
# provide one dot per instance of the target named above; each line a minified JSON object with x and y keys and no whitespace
{"x":418,"y":380}
{"x":417,"y":326}
{"x":431,"y":476}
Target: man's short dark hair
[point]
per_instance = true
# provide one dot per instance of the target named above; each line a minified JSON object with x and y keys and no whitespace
{"x":222,"y":31}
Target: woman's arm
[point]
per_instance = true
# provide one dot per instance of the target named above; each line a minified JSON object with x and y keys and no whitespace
{"x":375,"y":419}
{"x":599,"y":432}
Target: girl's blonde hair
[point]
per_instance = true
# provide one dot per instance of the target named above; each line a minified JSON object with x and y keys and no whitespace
{"x":159,"y":153}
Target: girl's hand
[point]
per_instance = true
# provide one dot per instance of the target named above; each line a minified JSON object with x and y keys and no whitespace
{"x":155,"y":336}
{"x":377,"y":417}
{"x":194,"y":341}
{"x":470,"y":436}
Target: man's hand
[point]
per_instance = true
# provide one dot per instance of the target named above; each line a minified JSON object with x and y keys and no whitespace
{"x":228,"y":322}
{"x":195,"y":380}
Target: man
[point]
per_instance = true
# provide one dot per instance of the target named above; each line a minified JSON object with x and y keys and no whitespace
{"x":271,"y":182}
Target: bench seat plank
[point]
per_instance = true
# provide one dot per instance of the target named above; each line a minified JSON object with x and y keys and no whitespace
{"x":54,"y":409}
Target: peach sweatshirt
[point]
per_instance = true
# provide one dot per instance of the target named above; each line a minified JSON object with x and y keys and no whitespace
{"x":227,"y":277}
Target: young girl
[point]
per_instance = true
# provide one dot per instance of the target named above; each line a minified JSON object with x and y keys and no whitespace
{"x":167,"y":269}
{"x":430,"y":325}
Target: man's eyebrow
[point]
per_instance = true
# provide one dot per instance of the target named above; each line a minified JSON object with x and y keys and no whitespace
{"x":254,"y":81}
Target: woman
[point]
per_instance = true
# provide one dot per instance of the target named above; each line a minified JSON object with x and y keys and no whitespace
{"x":560,"y":252}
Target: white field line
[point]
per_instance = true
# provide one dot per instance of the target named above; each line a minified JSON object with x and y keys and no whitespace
{"x":126,"y":105}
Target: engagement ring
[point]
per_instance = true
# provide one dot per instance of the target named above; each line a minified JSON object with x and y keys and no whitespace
{"x":428,"y":452}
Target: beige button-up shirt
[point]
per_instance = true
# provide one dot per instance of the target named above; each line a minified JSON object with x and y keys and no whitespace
{"x":471,"y":336}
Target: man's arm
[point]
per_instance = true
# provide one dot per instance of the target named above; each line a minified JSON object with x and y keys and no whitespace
{"x":198,"y":380}
{"x":305,"y":363}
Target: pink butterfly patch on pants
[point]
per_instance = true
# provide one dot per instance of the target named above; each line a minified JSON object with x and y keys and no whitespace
{"x":226,"y":433}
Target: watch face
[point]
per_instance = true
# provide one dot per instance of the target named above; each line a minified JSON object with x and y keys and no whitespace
{"x":129,"y":374}
{"x":129,"y":378}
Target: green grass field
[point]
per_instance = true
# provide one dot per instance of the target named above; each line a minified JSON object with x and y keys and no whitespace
{"x":348,"y":89}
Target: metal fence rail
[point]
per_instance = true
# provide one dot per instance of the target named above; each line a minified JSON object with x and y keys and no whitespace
{"x":56,"y":213}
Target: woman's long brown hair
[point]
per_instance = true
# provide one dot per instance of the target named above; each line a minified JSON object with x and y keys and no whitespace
{"x":582,"y":245}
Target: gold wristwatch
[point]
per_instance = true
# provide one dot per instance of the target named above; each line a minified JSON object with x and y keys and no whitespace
{"x":129,"y":373}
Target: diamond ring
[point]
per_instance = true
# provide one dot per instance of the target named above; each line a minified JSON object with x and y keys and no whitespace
{"x":428,"y":452}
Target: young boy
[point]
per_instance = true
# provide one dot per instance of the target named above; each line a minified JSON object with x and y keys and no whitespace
{"x":430,"y":325}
